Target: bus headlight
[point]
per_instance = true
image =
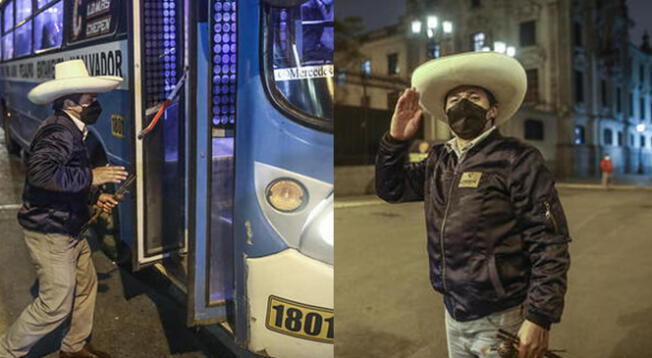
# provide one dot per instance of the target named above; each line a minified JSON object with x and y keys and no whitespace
{"x":286,"y":195}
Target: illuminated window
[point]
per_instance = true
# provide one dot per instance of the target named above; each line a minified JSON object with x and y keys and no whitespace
{"x":477,"y":41}
{"x":579,"y":135}
{"x":23,"y":10}
{"x":366,"y":67}
{"x":48,"y":28}
{"x":23,"y":35}
{"x":8,"y":46}
{"x":41,"y":3}
{"x":8,"y":16}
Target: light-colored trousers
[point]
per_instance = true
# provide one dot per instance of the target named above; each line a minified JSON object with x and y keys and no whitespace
{"x":478,"y":338}
{"x":67,"y":288}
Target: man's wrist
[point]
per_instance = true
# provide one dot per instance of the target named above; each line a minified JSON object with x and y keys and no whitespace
{"x":539,"y":320}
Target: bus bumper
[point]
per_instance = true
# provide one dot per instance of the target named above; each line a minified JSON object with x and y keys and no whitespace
{"x":290,"y":306}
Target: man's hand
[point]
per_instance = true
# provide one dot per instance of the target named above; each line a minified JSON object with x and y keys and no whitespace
{"x":534,"y":340}
{"x":407,"y":115}
{"x":108,"y":174}
{"x":107,"y":202}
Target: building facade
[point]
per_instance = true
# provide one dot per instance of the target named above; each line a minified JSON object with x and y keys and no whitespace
{"x":589,"y":88}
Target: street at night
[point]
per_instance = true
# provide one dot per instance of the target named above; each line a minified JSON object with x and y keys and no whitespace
{"x":387,"y":307}
{"x":134,"y":317}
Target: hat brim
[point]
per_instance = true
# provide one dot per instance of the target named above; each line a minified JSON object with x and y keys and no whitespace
{"x":49,"y":91}
{"x":502,"y":75}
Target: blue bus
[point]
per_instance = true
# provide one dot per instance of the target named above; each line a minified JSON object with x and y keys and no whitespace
{"x":233,"y":199}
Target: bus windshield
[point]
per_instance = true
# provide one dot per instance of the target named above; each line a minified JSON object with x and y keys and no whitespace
{"x":300,"y":59}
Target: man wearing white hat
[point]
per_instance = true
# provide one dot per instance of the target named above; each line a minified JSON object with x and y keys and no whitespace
{"x":497,"y":233}
{"x":59,"y":186}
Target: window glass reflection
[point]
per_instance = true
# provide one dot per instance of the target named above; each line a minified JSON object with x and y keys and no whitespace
{"x":302,"y":55}
{"x":24,"y":39}
{"x":9,"y":16}
{"x":23,"y":10}
{"x":8,"y":46}
{"x":48,"y":28}
{"x":41,"y":3}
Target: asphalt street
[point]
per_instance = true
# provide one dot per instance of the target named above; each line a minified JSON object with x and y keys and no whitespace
{"x":133,"y":317}
{"x":387,"y":308}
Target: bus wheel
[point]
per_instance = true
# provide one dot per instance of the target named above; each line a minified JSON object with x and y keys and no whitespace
{"x":10,"y":143}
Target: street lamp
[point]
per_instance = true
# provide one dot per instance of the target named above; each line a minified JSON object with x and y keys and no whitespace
{"x":500,"y":46}
{"x":432,"y":32}
{"x":448,"y":27}
{"x":432,"y":22}
{"x":640,"y":128}
{"x":416,"y":27}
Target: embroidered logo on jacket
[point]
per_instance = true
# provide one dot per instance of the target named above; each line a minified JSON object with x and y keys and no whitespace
{"x":470,"y":179}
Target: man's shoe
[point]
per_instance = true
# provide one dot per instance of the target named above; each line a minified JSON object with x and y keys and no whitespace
{"x":87,"y":352}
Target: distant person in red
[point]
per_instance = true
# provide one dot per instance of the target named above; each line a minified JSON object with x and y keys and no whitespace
{"x":607,"y":168}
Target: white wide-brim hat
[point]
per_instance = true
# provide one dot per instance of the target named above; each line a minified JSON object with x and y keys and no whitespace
{"x":499,"y":74}
{"x":71,"y":77}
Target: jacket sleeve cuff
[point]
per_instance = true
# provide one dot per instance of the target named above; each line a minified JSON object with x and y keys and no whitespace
{"x":392,"y":144}
{"x":538,"y":319}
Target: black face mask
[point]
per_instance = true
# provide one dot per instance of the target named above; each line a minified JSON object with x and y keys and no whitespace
{"x":90,"y":114}
{"x":467,"y":119}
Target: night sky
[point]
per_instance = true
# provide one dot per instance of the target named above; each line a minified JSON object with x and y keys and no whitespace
{"x":377,"y":16}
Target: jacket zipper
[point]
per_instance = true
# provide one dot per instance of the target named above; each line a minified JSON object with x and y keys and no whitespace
{"x":551,"y":217}
{"x":443,"y":227}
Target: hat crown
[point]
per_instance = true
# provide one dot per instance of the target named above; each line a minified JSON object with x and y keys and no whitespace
{"x":70,"y":69}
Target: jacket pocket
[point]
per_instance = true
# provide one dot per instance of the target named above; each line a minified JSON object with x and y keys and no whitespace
{"x":495,"y":278}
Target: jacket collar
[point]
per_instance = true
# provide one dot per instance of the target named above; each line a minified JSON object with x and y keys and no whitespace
{"x":79,"y":124}
{"x":452,"y":145}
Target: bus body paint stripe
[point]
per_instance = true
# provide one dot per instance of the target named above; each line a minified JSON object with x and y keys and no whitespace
{"x":101,"y":60}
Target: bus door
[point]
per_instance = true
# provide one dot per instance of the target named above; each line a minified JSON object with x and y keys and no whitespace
{"x":158,"y":56}
{"x":211,"y":253}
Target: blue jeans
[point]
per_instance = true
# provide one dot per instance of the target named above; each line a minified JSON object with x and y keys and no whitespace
{"x":478,"y":338}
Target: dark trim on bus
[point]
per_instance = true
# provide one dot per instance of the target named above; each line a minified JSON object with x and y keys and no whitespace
{"x":273,"y":94}
{"x":121,"y":31}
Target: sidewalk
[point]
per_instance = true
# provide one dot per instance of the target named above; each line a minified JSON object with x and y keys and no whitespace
{"x":620,"y":182}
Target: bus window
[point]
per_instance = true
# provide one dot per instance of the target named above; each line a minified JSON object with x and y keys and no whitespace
{"x":23,"y":39}
{"x":41,"y":3}
{"x":48,"y":28}
{"x":23,"y":10}
{"x":300,"y":50}
{"x":8,"y":46}
{"x":9,"y":16}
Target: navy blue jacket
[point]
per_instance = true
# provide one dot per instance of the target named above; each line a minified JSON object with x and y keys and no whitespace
{"x":497,"y":233}
{"x":58,"y":189}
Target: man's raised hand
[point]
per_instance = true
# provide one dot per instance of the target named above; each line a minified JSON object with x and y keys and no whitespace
{"x":407,"y":115}
{"x":108,"y":174}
